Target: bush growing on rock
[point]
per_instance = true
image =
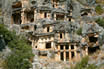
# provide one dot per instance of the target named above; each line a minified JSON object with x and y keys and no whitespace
{"x":99,"y":9}
{"x":100,"y":22}
{"x":79,"y":31}
{"x":21,"y":50}
{"x":100,"y":1}
{"x":83,"y":64}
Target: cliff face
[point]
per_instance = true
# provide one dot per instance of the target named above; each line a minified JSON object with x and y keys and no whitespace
{"x":58,"y":30}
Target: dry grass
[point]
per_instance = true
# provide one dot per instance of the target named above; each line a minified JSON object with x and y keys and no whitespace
{"x":2,"y":63}
{"x":100,"y":1}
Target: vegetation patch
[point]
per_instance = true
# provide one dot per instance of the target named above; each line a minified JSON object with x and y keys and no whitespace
{"x":99,"y":9}
{"x":100,"y":1}
{"x":21,"y":50}
{"x":100,"y":22}
{"x":79,"y":31}
{"x":83,"y":64}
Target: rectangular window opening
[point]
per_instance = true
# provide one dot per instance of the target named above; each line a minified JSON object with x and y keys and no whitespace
{"x":67,"y":56}
{"x":93,"y":39}
{"x":35,"y":27}
{"x":48,"y":45}
{"x":44,"y":55}
{"x":48,"y":29}
{"x":72,"y":46}
{"x":60,"y":17}
{"x":62,"y":47}
{"x":67,"y":46}
{"x":45,"y":15}
{"x":62,"y":55}
{"x":72,"y":54}
{"x":61,"y":35}
{"x":17,"y":18}
{"x":69,"y":19}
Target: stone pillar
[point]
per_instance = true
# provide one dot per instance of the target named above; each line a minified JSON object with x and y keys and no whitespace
{"x":75,"y":48}
{"x":63,"y":36}
{"x":72,"y":20}
{"x":12,"y":21}
{"x":86,"y":50}
{"x":71,"y":14}
{"x":51,"y":29}
{"x":75,"y":51}
{"x":23,"y":17}
{"x":54,"y":16}
{"x":39,"y":15}
{"x":32,"y":44}
{"x":58,"y":36}
{"x":59,"y":51}
{"x":43,"y":15}
{"x":64,"y":54}
{"x":52,"y":45}
{"x":35,"y":17}
{"x":69,"y":52}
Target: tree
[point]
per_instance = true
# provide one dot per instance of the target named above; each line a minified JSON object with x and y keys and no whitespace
{"x":21,"y":50}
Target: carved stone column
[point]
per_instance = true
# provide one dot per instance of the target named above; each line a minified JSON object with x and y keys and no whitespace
{"x":59,"y":51}
{"x":69,"y":52}
{"x":64,"y":54}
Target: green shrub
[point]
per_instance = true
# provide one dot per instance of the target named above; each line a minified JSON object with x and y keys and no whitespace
{"x":83,"y":64}
{"x":100,"y":22}
{"x":79,"y":31}
{"x":99,"y":9}
{"x":21,"y":50}
{"x":92,"y":66}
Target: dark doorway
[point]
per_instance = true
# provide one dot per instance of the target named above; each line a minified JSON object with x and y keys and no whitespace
{"x":59,"y":17}
{"x":92,"y":50}
{"x":67,"y":56}
{"x":45,"y":15}
{"x":16,"y":18}
{"x":35,"y":27}
{"x":72,"y":46}
{"x":62,"y":55}
{"x":48,"y":45}
{"x":72,"y":54}
{"x":61,"y":35}
{"x":48,"y":29}
{"x":69,"y":19}
{"x":62,"y":47}
{"x":93,"y":39}
{"x":67,"y":47}
{"x":30,"y":16}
